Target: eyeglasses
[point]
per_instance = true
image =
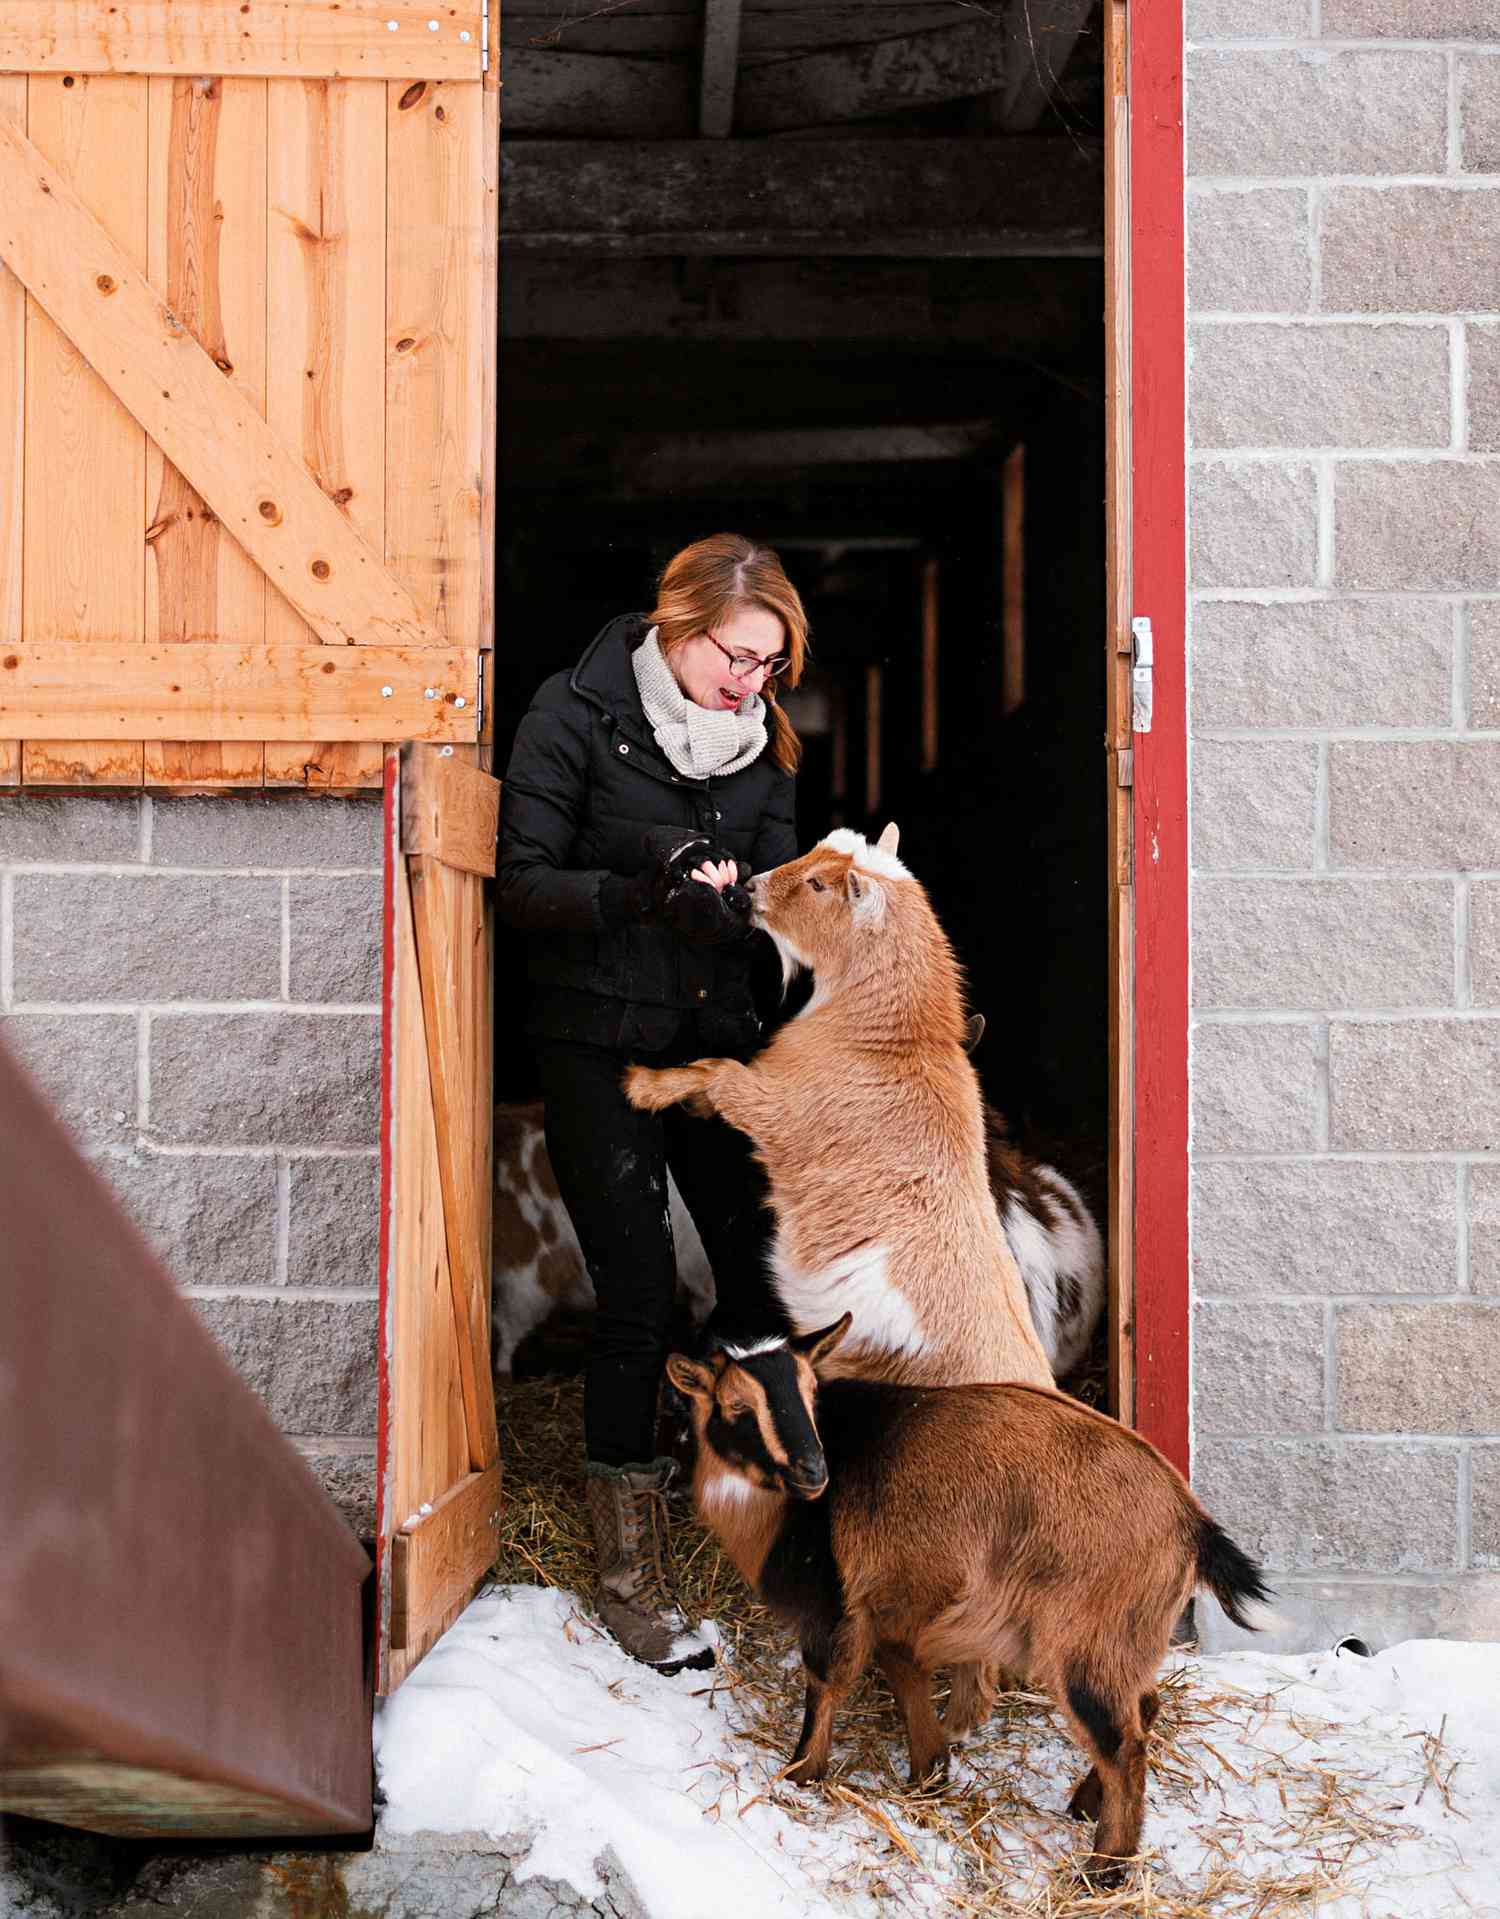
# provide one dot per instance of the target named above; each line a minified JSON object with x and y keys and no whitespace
{"x":742,"y":665}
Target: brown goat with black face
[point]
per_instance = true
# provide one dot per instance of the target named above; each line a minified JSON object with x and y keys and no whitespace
{"x":956,"y":1526}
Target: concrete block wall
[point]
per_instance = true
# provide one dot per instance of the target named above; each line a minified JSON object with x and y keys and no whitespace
{"x":196,"y":984}
{"x":1343,"y":217}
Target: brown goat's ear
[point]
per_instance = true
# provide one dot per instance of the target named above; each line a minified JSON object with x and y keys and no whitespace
{"x":815,"y":1347}
{"x":689,"y":1377}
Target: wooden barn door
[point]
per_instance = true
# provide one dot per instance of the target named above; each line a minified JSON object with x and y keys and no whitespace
{"x":438,"y":1476}
{"x":247,"y":291}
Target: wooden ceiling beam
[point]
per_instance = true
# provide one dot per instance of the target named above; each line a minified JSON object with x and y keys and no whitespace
{"x":929,"y":199}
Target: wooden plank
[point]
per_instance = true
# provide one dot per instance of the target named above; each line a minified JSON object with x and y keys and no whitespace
{"x":266,"y":37}
{"x":180,"y":1619}
{"x":489,"y":398}
{"x":1158,"y":564}
{"x":134,"y":691}
{"x":438,"y":1559}
{"x":450,"y":810}
{"x":442,"y":902}
{"x":12,"y":434}
{"x":1120,"y":1225}
{"x":325,"y":276}
{"x":720,"y":67}
{"x":206,"y":257}
{"x":435,"y":259}
{"x":257,"y":487}
{"x":84,"y":564}
{"x":423,"y":1442}
{"x":918,"y":198}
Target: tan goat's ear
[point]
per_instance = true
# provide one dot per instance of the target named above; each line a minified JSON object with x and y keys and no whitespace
{"x":689,"y":1377}
{"x":815,"y":1347}
{"x":890,"y":839}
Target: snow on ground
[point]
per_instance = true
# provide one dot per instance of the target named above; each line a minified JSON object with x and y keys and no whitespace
{"x":1353,"y":1788}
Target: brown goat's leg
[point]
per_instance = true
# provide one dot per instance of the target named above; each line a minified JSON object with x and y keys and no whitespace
{"x":926,"y":1741}
{"x":1107,"y":1724}
{"x":833,"y":1668}
{"x":969,"y":1699}
{"x":1088,"y":1794}
{"x":654,"y":1088}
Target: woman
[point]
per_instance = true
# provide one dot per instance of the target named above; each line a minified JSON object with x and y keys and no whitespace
{"x":643,"y":787}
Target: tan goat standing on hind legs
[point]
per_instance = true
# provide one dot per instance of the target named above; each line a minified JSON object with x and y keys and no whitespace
{"x":867,"y":1115}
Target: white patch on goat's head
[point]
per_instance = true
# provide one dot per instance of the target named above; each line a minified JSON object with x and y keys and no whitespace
{"x":773,"y":1345}
{"x":869,"y":859}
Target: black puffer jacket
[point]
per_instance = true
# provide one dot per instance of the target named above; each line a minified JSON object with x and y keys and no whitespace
{"x":586,"y":781}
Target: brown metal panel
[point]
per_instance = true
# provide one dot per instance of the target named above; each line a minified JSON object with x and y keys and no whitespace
{"x":180,"y":1632}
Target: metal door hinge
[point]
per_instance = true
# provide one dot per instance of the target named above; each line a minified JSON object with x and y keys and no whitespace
{"x":484,"y":39}
{"x":479,"y":703}
{"x":1125,"y":767}
{"x":1140,"y":675}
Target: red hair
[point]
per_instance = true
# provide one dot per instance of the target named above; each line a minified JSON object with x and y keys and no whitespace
{"x":704,"y":583}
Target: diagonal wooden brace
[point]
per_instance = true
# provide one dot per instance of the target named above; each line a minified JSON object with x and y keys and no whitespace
{"x":260,"y":490}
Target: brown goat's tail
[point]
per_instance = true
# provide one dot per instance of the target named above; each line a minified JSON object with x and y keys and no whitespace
{"x":1233,"y":1578}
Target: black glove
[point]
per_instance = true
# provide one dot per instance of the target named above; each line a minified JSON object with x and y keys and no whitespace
{"x":665,"y":893}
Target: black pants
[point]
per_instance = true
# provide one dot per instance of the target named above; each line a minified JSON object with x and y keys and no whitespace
{"x":611,"y":1165}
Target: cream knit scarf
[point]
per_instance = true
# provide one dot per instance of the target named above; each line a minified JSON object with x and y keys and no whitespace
{"x":697,"y":742}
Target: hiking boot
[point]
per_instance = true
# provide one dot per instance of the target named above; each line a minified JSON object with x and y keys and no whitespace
{"x":627,"y":1507}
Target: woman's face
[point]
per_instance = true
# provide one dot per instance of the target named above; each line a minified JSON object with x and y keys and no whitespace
{"x":704,"y":673}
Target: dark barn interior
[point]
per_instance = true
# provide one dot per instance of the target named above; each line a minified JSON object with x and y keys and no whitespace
{"x":831,"y":275}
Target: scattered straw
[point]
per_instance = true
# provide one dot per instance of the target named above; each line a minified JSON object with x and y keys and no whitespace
{"x":994,"y":1840}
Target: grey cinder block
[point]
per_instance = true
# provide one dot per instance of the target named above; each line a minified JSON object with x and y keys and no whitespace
{"x":1483,"y":340}
{"x":1254,"y":1087}
{"x":1427,"y":803}
{"x":1411,"y":19}
{"x":244,"y":1079}
{"x":333,"y":1236}
{"x":67,"y":830}
{"x":312,"y":1361}
{"x":267,"y":830}
{"x":1485,"y":1525}
{"x":1405,"y":249}
{"x":1421,"y":1085}
{"x":1315,"y":386}
{"x":1254,"y":803}
{"x":85,"y":1065}
{"x":210,"y":1218}
{"x":335,"y":938}
{"x":1479,"y":112}
{"x":1248,"y":250}
{"x":146,"y":936}
{"x":1260,"y":1371}
{"x":1428,"y":1367}
{"x":1430,"y":525}
{"x":1331,"y":1505}
{"x":1484,"y":1229}
{"x":1315,"y":944}
{"x":1324,"y":1227}
{"x":1317,"y":663}
{"x":1253,"y":524}
{"x":1307,"y":111}
{"x":1319,"y":1612}
{"x":1484,"y":664}
{"x":1248,"y":19}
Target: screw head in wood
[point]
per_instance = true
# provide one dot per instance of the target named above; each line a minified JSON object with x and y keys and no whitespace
{"x":386,"y":692}
{"x":430,"y":691}
{"x":460,"y":701}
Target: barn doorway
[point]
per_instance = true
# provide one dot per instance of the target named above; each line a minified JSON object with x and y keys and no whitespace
{"x":858,"y":313}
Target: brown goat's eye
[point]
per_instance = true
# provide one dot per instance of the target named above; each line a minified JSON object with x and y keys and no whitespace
{"x":732,"y":1408}
{"x":817,"y":886}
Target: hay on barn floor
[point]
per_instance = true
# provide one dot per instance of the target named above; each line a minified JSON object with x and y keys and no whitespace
{"x":994,"y":1840}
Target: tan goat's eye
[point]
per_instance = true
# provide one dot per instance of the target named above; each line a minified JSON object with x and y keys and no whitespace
{"x":733,"y":1408}
{"x":817,"y":886}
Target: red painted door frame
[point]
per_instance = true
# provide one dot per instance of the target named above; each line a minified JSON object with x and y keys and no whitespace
{"x":1158,"y":560}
